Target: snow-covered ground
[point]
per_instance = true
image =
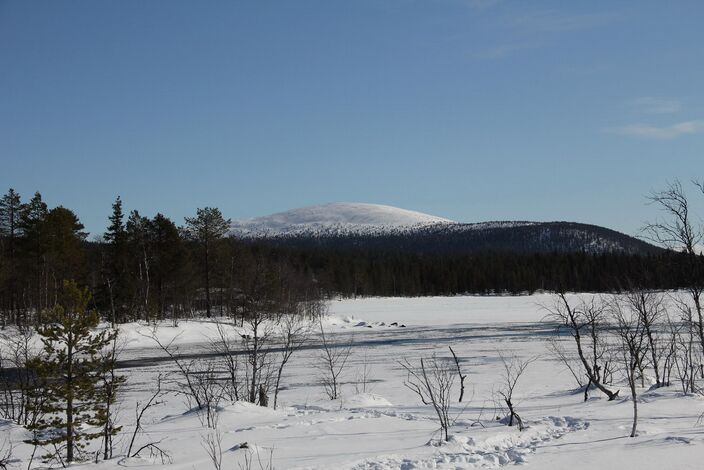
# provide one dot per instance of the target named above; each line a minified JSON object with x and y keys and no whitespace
{"x":386,"y":426}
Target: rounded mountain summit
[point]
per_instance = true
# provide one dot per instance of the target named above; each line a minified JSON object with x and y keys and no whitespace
{"x":336,"y":218}
{"x":347,"y":225}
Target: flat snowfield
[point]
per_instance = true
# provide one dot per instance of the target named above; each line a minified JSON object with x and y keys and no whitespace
{"x":378,"y":423}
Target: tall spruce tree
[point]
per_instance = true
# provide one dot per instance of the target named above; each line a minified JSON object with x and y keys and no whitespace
{"x":206,"y":229}
{"x":116,"y":273}
{"x":70,"y":370}
{"x":10,"y":210}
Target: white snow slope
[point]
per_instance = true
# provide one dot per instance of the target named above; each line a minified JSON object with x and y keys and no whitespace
{"x":336,"y":218}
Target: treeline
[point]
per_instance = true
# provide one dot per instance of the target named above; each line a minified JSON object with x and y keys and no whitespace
{"x":140,"y":269}
{"x":145,"y":268}
{"x":373,"y":273}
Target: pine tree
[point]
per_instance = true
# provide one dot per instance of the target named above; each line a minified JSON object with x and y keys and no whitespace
{"x":69,"y":370}
{"x":169,"y":262}
{"x":206,"y":229}
{"x":62,"y":240}
{"x":34,"y":269}
{"x":137,"y":229}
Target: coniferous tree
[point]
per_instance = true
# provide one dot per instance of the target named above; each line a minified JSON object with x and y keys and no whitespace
{"x":116,"y":274}
{"x":170,"y":260}
{"x":10,"y":210}
{"x":69,"y":370}
{"x":33,"y":257}
{"x":137,"y":228}
{"x":206,"y":229}
{"x":62,"y":238}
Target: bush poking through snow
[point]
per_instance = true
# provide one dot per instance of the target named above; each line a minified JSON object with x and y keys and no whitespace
{"x":332,"y":361}
{"x":212,"y":443}
{"x":140,"y":410}
{"x":432,"y":381}
{"x":586,"y":325}
{"x":633,"y":346}
{"x":197,"y":381}
{"x":253,"y":459}
{"x":513,"y":369}
{"x":459,"y":373}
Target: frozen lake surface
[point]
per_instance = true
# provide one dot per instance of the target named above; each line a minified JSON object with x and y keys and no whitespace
{"x":383,"y":425}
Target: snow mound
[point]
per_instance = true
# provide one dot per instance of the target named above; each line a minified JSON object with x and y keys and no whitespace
{"x":251,"y":410}
{"x":335,"y":218}
{"x":366,"y":400}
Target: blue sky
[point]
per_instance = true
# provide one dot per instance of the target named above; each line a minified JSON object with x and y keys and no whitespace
{"x":468,"y":109}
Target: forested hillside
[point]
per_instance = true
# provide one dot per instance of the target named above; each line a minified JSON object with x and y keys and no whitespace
{"x":151,"y":268}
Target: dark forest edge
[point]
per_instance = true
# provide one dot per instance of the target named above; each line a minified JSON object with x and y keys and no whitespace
{"x":150,"y":269}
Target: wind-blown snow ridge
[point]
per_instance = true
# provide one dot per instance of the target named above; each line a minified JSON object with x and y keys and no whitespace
{"x":336,"y":218}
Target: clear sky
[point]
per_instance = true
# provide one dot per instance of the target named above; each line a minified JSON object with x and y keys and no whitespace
{"x":468,"y":109}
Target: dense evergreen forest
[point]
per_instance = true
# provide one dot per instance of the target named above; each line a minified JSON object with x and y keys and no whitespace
{"x":150,"y":268}
{"x":452,"y":238}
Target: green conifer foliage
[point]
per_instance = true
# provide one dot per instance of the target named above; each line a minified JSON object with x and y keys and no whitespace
{"x":206,"y":229}
{"x":71,"y":370}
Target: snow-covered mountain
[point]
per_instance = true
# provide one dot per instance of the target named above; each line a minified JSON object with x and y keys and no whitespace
{"x":385,"y":228}
{"x":337,"y":218}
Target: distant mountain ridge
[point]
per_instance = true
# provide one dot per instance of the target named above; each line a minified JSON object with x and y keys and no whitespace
{"x":336,"y":219}
{"x":379,"y":227}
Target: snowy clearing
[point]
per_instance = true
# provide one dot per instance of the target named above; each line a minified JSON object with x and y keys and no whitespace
{"x":381,"y":424}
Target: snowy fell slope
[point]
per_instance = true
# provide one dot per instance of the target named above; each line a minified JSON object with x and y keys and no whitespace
{"x":379,"y":227}
{"x":334,"y":219}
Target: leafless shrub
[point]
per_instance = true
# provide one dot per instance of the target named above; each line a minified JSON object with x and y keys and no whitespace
{"x":294,"y":330}
{"x":208,"y":391}
{"x":633,"y":347}
{"x":197,"y":382}
{"x":141,"y":409}
{"x":187,"y":386}
{"x":253,"y":460}
{"x":669,"y":350}
{"x":557,"y":349}
{"x":332,"y":362}
{"x":18,"y":402}
{"x":459,"y":374}
{"x":225,"y":345}
{"x":364,"y":375}
{"x":513,"y":369}
{"x":432,"y":381}
{"x":676,"y":230}
{"x":586,"y":323}
{"x":679,"y":230}
{"x":649,"y":307}
{"x":258,"y":373}
{"x":686,"y":356}
{"x":154,"y":452}
{"x":110,"y":384}
{"x":212,"y":443}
